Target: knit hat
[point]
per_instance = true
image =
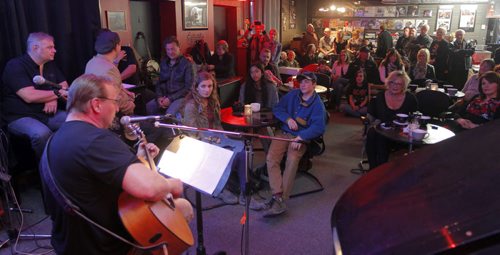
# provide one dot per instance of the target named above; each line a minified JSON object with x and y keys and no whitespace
{"x":106,"y":41}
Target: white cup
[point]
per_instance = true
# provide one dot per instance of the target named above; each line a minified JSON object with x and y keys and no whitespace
{"x":452,"y":91}
{"x":255,"y":107}
{"x":419,"y":134}
{"x":434,"y":86}
{"x":248,"y":109}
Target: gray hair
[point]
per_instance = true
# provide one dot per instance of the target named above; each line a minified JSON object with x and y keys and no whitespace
{"x":35,"y":38}
{"x":83,"y":89}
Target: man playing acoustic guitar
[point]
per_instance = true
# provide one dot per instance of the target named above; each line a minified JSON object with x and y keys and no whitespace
{"x":92,"y":167}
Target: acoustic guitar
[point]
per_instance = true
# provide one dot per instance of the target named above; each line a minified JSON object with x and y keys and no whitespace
{"x":154,"y":223}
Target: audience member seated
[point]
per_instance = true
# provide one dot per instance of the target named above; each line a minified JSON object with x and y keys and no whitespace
{"x":176,"y":79}
{"x":391,"y":62}
{"x":283,"y":58}
{"x":202,"y":110}
{"x":127,"y":65}
{"x":383,"y":109}
{"x":31,"y":110}
{"x":302,"y":116}
{"x":364,"y":61}
{"x":258,"y":88}
{"x":222,"y":62}
{"x":310,"y":56}
{"x":339,"y":76}
{"x":272,"y":71}
{"x":291,"y":61}
{"x":471,"y":87}
{"x":339,"y":42}
{"x":484,"y":107}
{"x":460,"y":61}
{"x":440,"y":51}
{"x":422,"y":70}
{"x":326,"y":47}
{"x":357,"y":96}
{"x":354,"y":43}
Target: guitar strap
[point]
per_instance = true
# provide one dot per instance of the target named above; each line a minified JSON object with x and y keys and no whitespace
{"x":69,"y":207}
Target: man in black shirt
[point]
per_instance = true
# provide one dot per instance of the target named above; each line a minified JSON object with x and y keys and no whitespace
{"x":364,"y":61}
{"x":94,"y":169}
{"x":32,"y":110}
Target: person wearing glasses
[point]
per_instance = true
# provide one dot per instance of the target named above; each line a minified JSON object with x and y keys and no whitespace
{"x":383,"y":109}
{"x":94,"y":169}
{"x":28,"y":109}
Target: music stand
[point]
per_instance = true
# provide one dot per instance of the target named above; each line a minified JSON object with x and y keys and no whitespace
{"x":248,"y":162}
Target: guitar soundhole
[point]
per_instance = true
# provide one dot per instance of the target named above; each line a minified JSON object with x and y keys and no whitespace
{"x":155,"y":238}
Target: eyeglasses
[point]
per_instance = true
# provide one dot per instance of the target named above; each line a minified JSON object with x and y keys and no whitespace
{"x":396,"y":83}
{"x":106,"y":98}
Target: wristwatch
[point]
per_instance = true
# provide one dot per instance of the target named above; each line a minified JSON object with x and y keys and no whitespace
{"x":57,"y":93}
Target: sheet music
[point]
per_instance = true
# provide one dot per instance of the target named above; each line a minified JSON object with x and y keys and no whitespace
{"x":198,"y":164}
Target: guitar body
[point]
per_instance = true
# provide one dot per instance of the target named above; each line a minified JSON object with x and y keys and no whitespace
{"x":151,"y":223}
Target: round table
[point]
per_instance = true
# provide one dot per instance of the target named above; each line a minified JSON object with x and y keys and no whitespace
{"x":436,"y":134}
{"x":457,"y":95}
{"x":256,"y":120}
{"x":320,"y":89}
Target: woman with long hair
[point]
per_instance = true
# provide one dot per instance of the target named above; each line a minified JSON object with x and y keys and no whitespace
{"x":339,"y":76}
{"x":391,"y":62}
{"x":258,"y":88}
{"x":202,"y":110}
{"x":422,"y":70}
{"x":357,"y":96}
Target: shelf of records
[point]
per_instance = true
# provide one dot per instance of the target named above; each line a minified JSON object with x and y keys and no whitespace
{"x":368,"y":24}
{"x":399,"y":11}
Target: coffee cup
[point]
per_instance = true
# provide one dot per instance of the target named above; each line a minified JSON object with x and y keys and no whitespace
{"x":402,"y":118}
{"x":248,"y":109}
{"x":419,"y":134}
{"x":255,"y":107}
{"x":452,"y":91}
{"x":424,"y":120}
{"x":434,"y":86}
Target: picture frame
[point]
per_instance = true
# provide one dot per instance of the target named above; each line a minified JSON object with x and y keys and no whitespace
{"x":401,"y":11}
{"x":467,"y":17}
{"x":444,"y":18}
{"x":195,"y":14}
{"x":427,"y":13}
{"x":412,"y":11}
{"x":116,"y":20}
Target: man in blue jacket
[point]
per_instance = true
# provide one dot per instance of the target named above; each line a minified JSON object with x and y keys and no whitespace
{"x":302,"y":114}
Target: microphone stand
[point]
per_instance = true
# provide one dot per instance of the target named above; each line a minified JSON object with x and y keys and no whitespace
{"x":248,"y":167}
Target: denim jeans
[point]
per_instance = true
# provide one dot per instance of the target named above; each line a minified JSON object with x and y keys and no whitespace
{"x":338,"y":89}
{"x":347,"y":109}
{"x":37,"y":131}
{"x":152,"y":107}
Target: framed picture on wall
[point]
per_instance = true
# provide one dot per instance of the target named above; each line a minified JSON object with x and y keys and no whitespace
{"x":194,"y":14}
{"x":444,"y":18}
{"x":412,"y":11}
{"x":116,"y":20}
{"x":467,"y":17}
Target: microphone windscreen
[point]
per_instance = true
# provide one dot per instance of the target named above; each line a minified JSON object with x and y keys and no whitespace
{"x":39,"y":80}
{"x":125,"y":120}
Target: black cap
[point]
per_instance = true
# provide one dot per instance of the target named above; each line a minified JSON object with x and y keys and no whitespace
{"x":307,"y":75}
{"x":106,"y":41}
{"x":364,"y":49}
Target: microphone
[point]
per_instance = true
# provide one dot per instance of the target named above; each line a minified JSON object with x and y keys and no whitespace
{"x":125,"y":120}
{"x":39,"y":80}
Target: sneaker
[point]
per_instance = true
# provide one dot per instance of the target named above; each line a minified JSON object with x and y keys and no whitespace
{"x":276,"y":207}
{"x":255,"y":204}
{"x":227,"y":197}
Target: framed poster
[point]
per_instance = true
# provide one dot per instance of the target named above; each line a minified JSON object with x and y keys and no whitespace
{"x":116,"y":20}
{"x":293,"y":14}
{"x":412,"y":11}
{"x":444,"y":18}
{"x":195,"y":14}
{"x":467,"y":17}
{"x":427,"y":13}
{"x":401,"y":11}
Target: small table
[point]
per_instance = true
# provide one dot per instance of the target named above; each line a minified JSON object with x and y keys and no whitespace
{"x":256,"y":120}
{"x":457,"y":95}
{"x":436,"y":134}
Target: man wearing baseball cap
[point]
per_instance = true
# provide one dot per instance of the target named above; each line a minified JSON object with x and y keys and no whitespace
{"x":302,"y":115}
{"x":364,"y":61}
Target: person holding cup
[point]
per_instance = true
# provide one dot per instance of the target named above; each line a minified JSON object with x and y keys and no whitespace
{"x":384,"y":109}
{"x":483,"y":107}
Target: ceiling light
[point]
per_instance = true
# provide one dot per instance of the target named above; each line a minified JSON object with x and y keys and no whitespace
{"x":333,"y":7}
{"x":341,"y":9}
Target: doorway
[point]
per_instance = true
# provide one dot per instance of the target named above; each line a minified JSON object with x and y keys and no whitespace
{"x":225,"y":26}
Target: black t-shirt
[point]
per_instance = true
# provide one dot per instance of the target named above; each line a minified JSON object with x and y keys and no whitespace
{"x":125,"y":62}
{"x":89,"y":164}
{"x":358,"y":93}
{"x":18,"y":74}
{"x":378,"y":107}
